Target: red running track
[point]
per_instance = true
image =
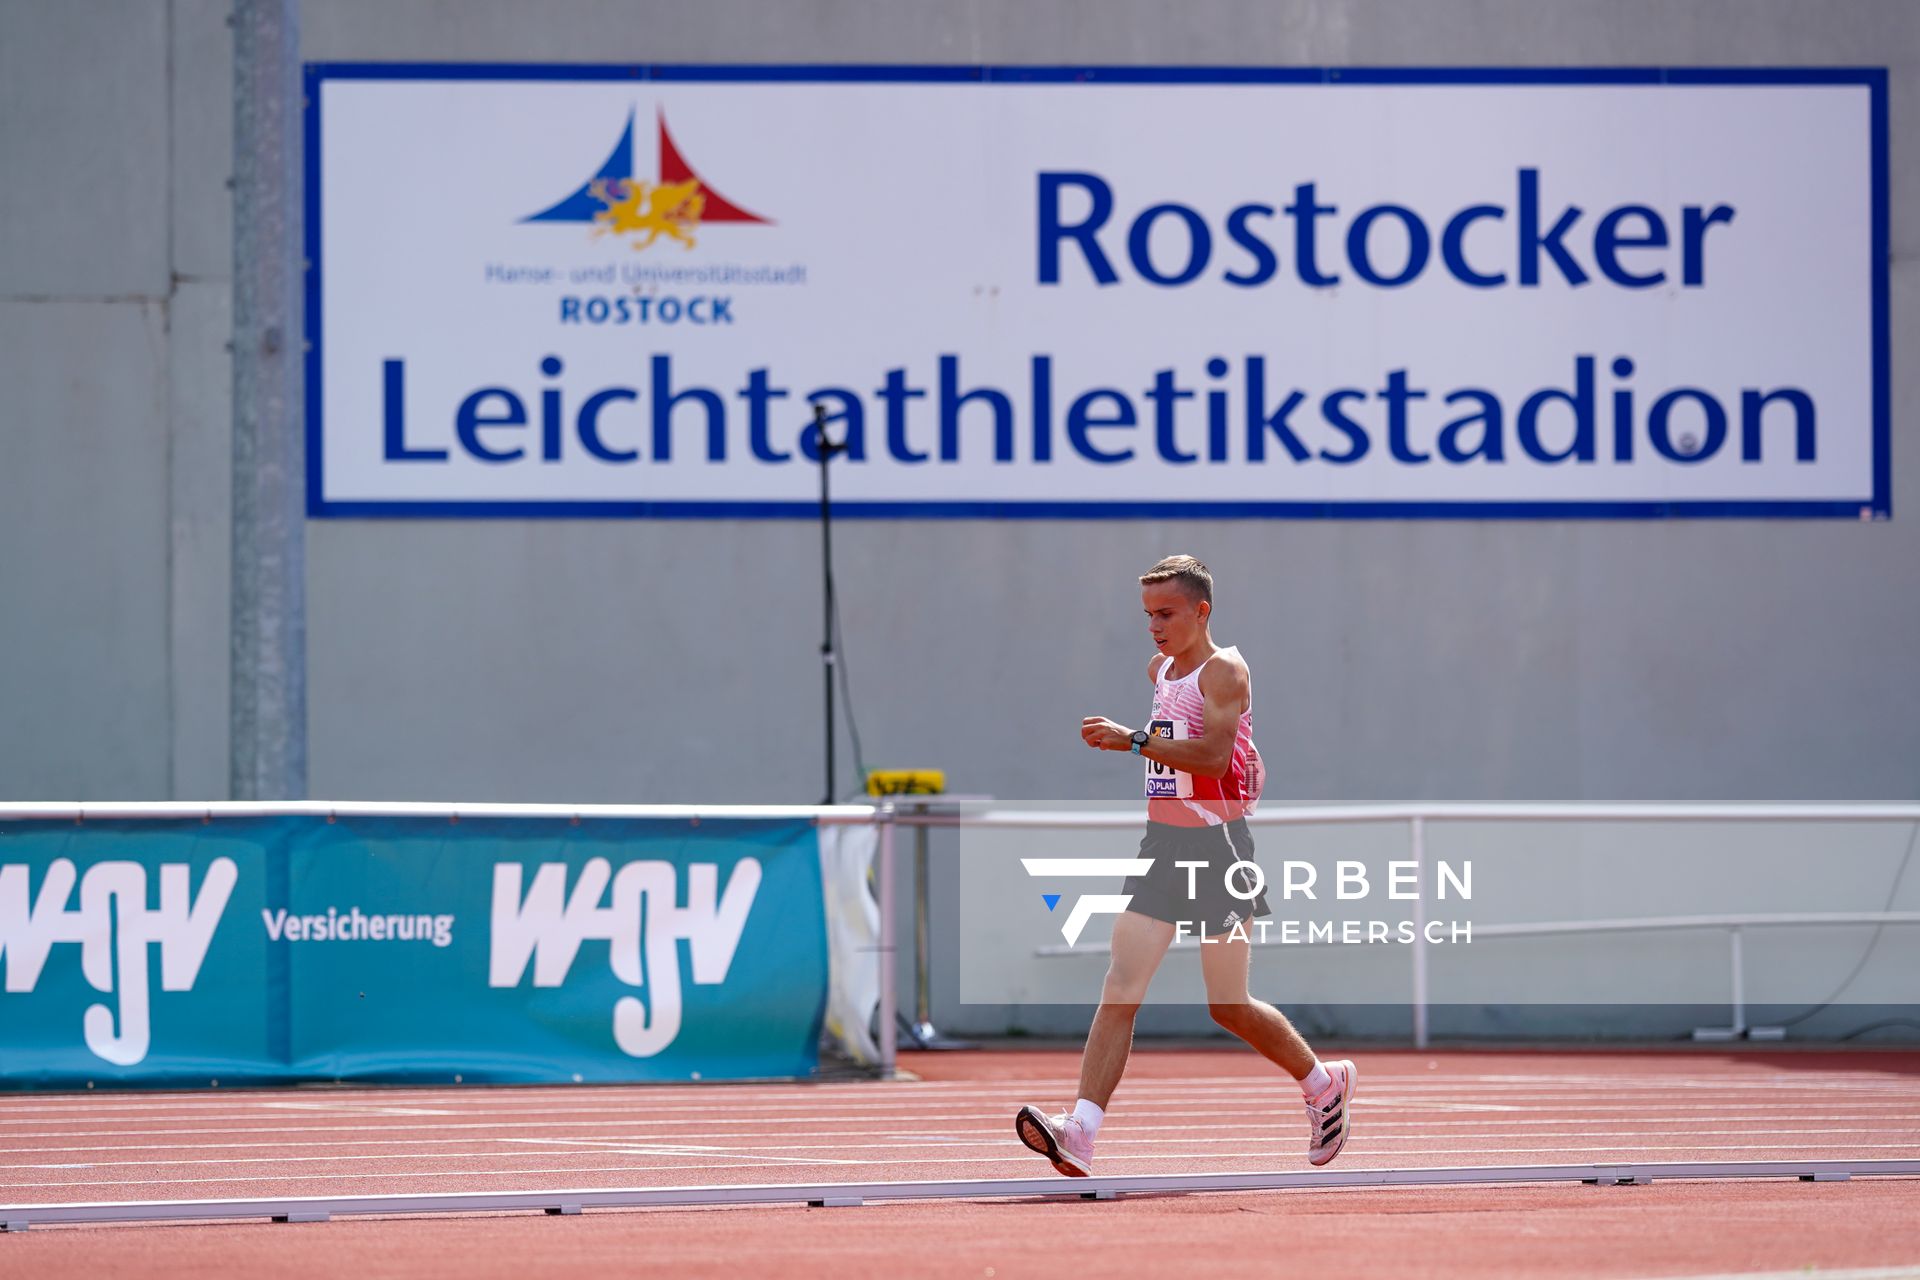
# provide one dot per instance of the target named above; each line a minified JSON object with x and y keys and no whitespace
{"x":1178,"y":1111}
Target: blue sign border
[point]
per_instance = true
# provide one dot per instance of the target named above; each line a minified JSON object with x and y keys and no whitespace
{"x":1874,"y":79}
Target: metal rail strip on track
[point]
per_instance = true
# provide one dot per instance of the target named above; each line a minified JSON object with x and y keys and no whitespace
{"x":321,"y":1208}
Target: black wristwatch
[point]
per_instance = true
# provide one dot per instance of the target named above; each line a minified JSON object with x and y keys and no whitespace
{"x":1140,"y":737}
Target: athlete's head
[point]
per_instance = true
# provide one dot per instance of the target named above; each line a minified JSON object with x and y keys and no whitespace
{"x":1177,"y":594}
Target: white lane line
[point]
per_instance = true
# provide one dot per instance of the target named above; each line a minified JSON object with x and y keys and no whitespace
{"x":357,"y":1109}
{"x":1562,"y":1115}
{"x":482,"y":1096}
{"x":1010,"y":1160}
{"x":667,"y":1096}
{"x":1270,"y":1086}
{"x":610,"y":1147}
{"x":614,"y":1146}
{"x":1374,"y":1127}
{"x":1134,"y":1099}
{"x":405,"y":1133}
{"x":1442,"y":1106}
{"x":591,"y":1149}
{"x":1911,"y":1272}
{"x":1110,"y":1141}
{"x":1288,"y":1157}
{"x":491,"y":1097}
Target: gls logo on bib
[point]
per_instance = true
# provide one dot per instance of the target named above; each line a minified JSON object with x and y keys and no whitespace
{"x":113,"y":926}
{"x":1164,"y":782}
{"x":548,"y":925}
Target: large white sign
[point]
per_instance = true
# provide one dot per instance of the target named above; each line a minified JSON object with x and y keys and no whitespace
{"x":570,"y":291}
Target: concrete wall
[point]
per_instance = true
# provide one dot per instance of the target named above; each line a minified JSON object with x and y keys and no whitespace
{"x":114,"y":279}
{"x":1568,"y":660}
{"x":1722,"y":660}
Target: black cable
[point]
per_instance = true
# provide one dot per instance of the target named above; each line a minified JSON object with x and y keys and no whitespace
{"x":1875,"y":1026}
{"x":846,"y":681}
{"x":1872,"y":943}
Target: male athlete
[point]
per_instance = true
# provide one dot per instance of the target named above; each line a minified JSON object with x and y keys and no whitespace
{"x":1203,"y":778}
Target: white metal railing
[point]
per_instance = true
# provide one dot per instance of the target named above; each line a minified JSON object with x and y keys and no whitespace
{"x":1418,"y":816}
{"x":1321,"y":815}
{"x":1733,"y":924}
{"x":106,"y":811}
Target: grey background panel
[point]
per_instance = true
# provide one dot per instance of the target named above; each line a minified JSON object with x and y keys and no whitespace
{"x":201,"y":121}
{"x":84,"y":149}
{"x":570,"y":660}
{"x":83,"y":570}
{"x":199,"y":503}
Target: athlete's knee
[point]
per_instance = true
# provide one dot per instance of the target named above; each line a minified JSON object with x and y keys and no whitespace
{"x":1124,"y":986}
{"x":1128,"y":1010}
{"x":1236,"y":1015}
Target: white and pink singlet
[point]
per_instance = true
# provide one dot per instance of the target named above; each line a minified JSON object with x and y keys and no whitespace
{"x":1181,"y":799}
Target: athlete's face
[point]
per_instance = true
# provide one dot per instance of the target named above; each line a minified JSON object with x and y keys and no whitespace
{"x":1175,"y":618}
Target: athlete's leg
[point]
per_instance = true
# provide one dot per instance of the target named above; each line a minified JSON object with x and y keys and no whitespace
{"x":1139,"y":944}
{"x":1327,"y":1087}
{"x":1224,"y":965}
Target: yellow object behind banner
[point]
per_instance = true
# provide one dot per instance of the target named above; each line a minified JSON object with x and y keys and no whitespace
{"x":906,"y":782}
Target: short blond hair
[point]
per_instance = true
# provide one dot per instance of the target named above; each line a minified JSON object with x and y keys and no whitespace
{"x":1185,"y":570}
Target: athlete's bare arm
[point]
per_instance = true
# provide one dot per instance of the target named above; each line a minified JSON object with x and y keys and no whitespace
{"x":1096,"y":731}
{"x":1227,"y":688}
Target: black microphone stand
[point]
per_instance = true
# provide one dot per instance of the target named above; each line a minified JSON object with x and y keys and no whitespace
{"x":826,"y":449}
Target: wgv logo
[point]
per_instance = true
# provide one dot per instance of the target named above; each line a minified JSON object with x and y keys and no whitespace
{"x":113,"y":926}
{"x":1089,"y":905}
{"x":547,"y":926}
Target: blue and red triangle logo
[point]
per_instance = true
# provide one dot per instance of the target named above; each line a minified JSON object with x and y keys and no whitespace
{"x":674,"y":204}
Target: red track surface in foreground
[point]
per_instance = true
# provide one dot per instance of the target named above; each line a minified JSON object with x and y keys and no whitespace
{"x":1180,"y":1111}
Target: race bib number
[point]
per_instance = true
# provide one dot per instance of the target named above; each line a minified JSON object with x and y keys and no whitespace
{"x":1164,"y":782}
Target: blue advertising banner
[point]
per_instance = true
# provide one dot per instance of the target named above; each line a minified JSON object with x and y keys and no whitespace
{"x":262,"y":949}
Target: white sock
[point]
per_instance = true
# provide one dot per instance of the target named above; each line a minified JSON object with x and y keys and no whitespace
{"x":1089,"y":1117}
{"x":1316,"y":1081}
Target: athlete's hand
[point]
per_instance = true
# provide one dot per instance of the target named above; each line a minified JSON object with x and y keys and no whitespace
{"x":1103,"y":734}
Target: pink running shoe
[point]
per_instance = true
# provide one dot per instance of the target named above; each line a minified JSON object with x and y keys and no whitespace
{"x":1330,"y":1116}
{"x":1060,"y":1139}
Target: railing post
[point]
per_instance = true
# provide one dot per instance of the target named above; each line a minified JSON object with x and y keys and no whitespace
{"x":1420,"y":933}
{"x":889,"y":1029}
{"x":923,"y":1032}
{"x":1739,"y":986}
